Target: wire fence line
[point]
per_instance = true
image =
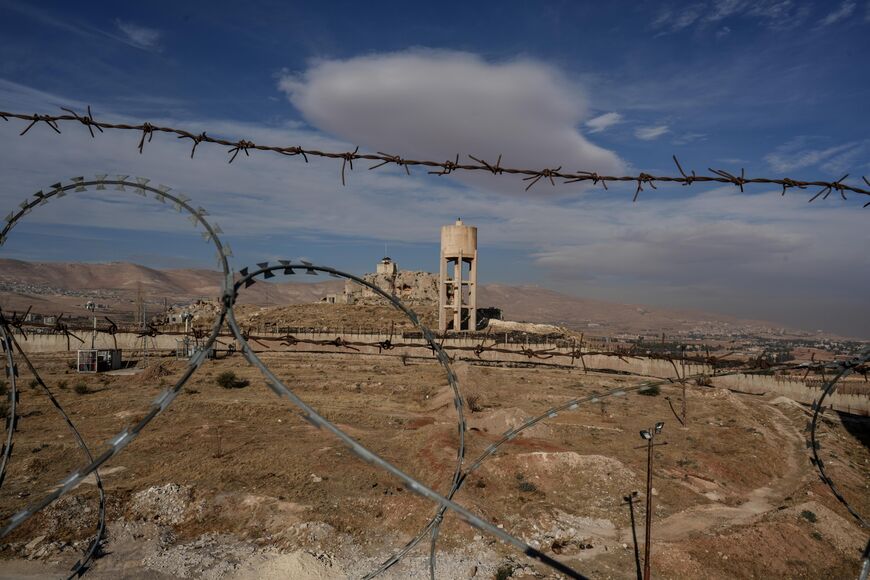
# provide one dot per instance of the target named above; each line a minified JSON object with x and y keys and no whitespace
{"x":234,"y":284}
{"x":532,"y":176}
{"x":94,"y":546}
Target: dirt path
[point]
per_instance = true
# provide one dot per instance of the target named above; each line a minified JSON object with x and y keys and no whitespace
{"x":760,"y":500}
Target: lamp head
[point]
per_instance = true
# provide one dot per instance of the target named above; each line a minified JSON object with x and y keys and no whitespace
{"x":646,"y":435}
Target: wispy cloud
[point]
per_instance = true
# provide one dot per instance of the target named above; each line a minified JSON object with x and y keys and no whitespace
{"x":602,"y":122}
{"x":650,"y":133}
{"x":845,"y":10}
{"x":799,"y":154}
{"x":139,"y":36}
{"x":130,"y":34}
{"x":772,"y":14}
{"x":687,"y":138}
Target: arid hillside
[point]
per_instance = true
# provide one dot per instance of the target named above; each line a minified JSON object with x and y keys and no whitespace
{"x":55,"y":287}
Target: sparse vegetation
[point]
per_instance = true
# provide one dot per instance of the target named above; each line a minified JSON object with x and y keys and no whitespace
{"x":704,"y":381}
{"x":651,"y":391}
{"x":473,"y":401}
{"x":504,"y":572}
{"x":81,"y":388}
{"x":527,"y":487}
{"x":33,"y":383}
{"x":61,"y":384}
{"x":809,"y":516}
{"x":229,"y":380}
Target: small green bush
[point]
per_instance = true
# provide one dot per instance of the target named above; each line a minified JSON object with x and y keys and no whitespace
{"x":809,"y":516}
{"x":81,"y":388}
{"x":229,"y":380}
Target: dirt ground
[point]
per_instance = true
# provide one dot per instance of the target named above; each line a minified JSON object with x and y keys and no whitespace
{"x":232,"y":483}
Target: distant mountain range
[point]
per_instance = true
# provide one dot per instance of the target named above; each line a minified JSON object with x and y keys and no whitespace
{"x":62,"y":286}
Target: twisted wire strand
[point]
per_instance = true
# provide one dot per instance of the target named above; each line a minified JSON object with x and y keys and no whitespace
{"x":433,"y":526}
{"x":845,"y":369}
{"x":12,"y":407}
{"x":381,"y":159}
{"x":226,"y":315}
{"x":122,"y":439}
{"x":311,"y":415}
{"x":82,"y":565}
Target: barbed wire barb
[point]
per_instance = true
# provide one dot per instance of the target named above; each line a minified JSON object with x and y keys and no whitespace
{"x":86,"y":120}
{"x":449,"y":166}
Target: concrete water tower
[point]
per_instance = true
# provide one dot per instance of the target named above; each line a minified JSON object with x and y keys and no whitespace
{"x":457,"y":287}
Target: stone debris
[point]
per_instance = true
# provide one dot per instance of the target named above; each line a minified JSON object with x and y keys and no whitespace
{"x":166,"y":504}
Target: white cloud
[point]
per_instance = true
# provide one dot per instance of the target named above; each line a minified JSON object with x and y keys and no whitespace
{"x":650,"y":133}
{"x":844,"y":11}
{"x":602,"y":122}
{"x":799,"y":154}
{"x":671,"y":247}
{"x":435,"y":104}
{"x":139,"y":36}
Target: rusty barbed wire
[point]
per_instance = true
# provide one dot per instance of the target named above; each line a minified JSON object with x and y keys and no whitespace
{"x":533,"y":176}
{"x":231,"y":288}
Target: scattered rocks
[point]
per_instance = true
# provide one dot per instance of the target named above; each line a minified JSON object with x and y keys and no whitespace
{"x":166,"y":504}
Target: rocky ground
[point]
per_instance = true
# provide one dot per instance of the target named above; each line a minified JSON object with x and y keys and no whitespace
{"x":231,"y":483}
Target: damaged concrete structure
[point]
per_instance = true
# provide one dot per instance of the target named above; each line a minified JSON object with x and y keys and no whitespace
{"x":457,"y":286}
{"x":410,"y":287}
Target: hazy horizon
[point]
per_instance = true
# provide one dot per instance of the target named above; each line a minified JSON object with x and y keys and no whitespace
{"x":529,"y":89}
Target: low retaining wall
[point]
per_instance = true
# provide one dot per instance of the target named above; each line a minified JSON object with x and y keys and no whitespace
{"x":126,"y":341}
{"x":797,"y":390}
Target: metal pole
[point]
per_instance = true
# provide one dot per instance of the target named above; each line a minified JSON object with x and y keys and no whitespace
{"x":649,"y":506}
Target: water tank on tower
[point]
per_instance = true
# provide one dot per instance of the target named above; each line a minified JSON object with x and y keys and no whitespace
{"x":457,"y":304}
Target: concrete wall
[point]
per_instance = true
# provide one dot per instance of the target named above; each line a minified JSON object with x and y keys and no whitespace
{"x":797,"y":390}
{"x":58,"y":342}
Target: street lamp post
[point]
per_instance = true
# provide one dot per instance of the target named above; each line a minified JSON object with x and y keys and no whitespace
{"x":649,"y":435}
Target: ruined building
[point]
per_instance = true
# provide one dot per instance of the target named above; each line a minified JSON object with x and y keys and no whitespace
{"x":409,"y":287}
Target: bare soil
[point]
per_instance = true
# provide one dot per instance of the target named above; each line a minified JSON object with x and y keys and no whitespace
{"x":233,"y":483}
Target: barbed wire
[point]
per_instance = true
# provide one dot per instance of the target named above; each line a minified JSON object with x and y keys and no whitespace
{"x":231,"y":288}
{"x":381,"y":159}
{"x":548,"y":355}
{"x":81,"y":566}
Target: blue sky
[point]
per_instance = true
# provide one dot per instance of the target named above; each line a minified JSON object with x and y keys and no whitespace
{"x":777,"y":87}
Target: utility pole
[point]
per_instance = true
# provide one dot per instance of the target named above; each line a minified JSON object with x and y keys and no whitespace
{"x":92,"y":307}
{"x":649,"y":436}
